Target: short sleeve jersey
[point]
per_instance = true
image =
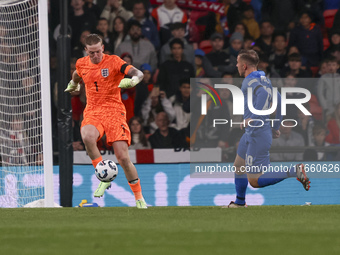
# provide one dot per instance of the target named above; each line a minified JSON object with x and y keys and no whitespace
{"x":101,"y":84}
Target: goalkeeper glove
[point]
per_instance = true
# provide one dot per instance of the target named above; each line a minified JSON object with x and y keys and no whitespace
{"x":72,"y":87}
{"x":127,"y":83}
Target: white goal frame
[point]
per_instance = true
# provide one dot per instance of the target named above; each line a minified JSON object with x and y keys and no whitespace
{"x":44,"y":64}
{"x":46,"y":102}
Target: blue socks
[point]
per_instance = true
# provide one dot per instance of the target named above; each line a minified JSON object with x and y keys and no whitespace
{"x":241,"y":183}
{"x":271,"y":178}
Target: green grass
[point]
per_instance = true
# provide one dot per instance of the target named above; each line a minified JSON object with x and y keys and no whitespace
{"x":171,"y":230}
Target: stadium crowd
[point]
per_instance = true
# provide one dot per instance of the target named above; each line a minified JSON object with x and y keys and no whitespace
{"x":172,"y":42}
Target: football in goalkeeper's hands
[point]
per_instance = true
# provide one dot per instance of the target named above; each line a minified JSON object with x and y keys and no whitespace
{"x":106,"y":170}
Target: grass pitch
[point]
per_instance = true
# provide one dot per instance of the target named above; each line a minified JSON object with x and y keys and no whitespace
{"x":171,"y":230}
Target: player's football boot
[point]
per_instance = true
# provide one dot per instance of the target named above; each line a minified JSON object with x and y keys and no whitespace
{"x":232,"y":204}
{"x":101,"y":189}
{"x":302,"y":176}
{"x":140,"y":204}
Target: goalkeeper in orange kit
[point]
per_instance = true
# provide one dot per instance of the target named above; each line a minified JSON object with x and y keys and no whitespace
{"x":103,"y":76}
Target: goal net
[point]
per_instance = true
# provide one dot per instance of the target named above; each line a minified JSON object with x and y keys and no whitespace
{"x":24,"y":84}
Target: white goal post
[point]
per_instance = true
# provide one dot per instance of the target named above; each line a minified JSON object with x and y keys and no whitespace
{"x":26,"y":174}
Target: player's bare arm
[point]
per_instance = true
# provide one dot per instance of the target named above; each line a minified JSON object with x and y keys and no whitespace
{"x":137,"y":77}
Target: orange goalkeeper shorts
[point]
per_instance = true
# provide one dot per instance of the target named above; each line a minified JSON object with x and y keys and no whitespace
{"x":115,"y":128}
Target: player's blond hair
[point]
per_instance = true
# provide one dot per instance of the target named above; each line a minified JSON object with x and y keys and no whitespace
{"x":250,"y":57}
{"x":93,"y":39}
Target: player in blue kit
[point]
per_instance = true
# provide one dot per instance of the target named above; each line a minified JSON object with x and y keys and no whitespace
{"x":253,"y":149}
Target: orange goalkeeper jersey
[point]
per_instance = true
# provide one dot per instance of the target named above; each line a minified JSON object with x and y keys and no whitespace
{"x":101,"y":84}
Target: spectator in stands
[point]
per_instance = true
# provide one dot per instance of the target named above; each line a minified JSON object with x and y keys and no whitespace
{"x":204,"y":134}
{"x":165,"y":136}
{"x":336,"y":53}
{"x":149,"y":29}
{"x":203,"y":66}
{"x":264,"y":42}
{"x":77,"y":143}
{"x":16,"y":144}
{"x":278,"y":58}
{"x":175,"y":69}
{"x":227,"y":99}
{"x":119,"y":32}
{"x":319,"y":135}
{"x":241,"y":28}
{"x":290,"y":82}
{"x":250,"y":22}
{"x":333,"y":126}
{"x":128,"y":95}
{"x":307,"y":37}
{"x":293,"y":49}
{"x":235,"y":10}
{"x":220,"y":60}
{"x":142,"y":51}
{"x":156,"y":102}
{"x":126,"y":56}
{"x":269,"y":71}
{"x":323,"y":68}
{"x":294,"y":67}
{"x":143,"y":89}
{"x":181,"y":104}
{"x":79,"y":50}
{"x":79,"y":20}
{"x":165,"y":15}
{"x":113,"y":9}
{"x":128,"y":4}
{"x":93,"y":8}
{"x":138,"y":138}
{"x":316,"y":8}
{"x":236,"y":44}
{"x":305,"y":125}
{"x":288,"y":138}
{"x":222,"y":26}
{"x":248,"y":43}
{"x":334,"y":39}
{"x":328,"y":89}
{"x":107,"y":36}
{"x":199,"y":54}
{"x":177,"y":31}
{"x":283,"y":14}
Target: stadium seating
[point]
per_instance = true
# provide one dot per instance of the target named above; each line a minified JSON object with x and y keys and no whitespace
{"x":329,"y":17}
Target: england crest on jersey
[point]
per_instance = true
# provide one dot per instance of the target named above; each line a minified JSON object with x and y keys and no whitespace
{"x":105,"y":72}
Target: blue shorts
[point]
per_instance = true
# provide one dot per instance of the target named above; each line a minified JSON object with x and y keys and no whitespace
{"x":255,"y":151}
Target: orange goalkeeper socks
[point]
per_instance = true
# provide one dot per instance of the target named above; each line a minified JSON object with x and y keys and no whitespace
{"x":136,"y":189}
{"x":96,"y":161}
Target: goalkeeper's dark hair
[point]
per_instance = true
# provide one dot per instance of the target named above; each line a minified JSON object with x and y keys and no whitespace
{"x":93,"y":39}
{"x":250,"y":57}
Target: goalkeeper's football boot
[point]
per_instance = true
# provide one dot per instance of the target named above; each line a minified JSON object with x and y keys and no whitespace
{"x":232,"y":204}
{"x":140,"y":204}
{"x":101,"y":189}
{"x":302,"y":176}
